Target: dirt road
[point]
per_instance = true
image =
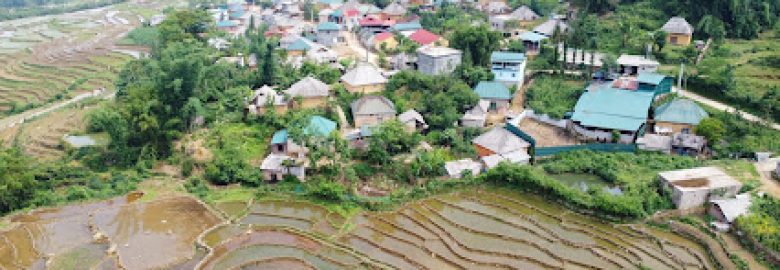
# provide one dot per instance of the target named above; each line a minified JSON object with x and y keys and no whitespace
{"x":16,"y":119}
{"x":724,"y":107}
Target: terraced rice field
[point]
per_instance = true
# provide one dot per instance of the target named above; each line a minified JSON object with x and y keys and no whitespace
{"x":41,"y":138}
{"x":46,"y":58}
{"x":478,"y":229}
{"x":117,"y":234}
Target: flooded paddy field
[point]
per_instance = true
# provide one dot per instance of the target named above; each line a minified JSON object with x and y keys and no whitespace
{"x":477,"y":229}
{"x":485,"y":228}
{"x":114,"y":234}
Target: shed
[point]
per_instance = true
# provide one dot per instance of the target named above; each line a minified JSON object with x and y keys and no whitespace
{"x":413,"y":120}
{"x":372,"y":110}
{"x":499,"y":141}
{"x":456,"y":169}
{"x":678,"y":31}
{"x":679,"y":114}
{"x":728,"y":210}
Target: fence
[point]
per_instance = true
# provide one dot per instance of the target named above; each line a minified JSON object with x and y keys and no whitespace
{"x":561,"y":123}
{"x":598,"y":147}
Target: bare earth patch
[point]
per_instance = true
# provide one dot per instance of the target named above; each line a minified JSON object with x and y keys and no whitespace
{"x":546,"y":135}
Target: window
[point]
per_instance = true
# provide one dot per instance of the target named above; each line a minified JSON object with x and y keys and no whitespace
{"x":493,"y":106}
{"x":673,"y":40}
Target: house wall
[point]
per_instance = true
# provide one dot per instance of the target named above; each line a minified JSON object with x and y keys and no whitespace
{"x":482,"y":151}
{"x":327,"y":38}
{"x":715,"y":211}
{"x":682,"y":39}
{"x":314,"y":102}
{"x":365,"y":89}
{"x":474,"y":123}
{"x":675,"y":127}
{"x":690,"y":198}
{"x":371,"y":119}
{"x":600,"y":135}
{"x":437,"y":65}
{"x":294,"y":53}
{"x":390,"y":44}
{"x":509,"y":75}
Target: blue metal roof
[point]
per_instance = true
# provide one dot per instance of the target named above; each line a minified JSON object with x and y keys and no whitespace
{"x":507,"y":57}
{"x":492,"y":90}
{"x":532,"y":36}
{"x":320,"y":126}
{"x":222,"y":24}
{"x":331,"y":2}
{"x":407,"y":26}
{"x":299,"y":45}
{"x":328,"y":26}
{"x":610,"y":108}
{"x":279,"y":137}
{"x":680,"y":111}
{"x":650,"y":78}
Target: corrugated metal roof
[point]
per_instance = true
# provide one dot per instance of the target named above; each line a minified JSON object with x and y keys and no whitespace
{"x":407,"y":26}
{"x":610,"y":108}
{"x":364,"y":74}
{"x":372,"y":105}
{"x":507,"y":57}
{"x":308,"y":87}
{"x":492,"y":90}
{"x":650,"y":78}
{"x":501,"y":141}
{"x":680,"y":111}
{"x":328,"y":26}
{"x":279,"y":137}
{"x":299,"y":45}
{"x":677,"y":25}
{"x":320,"y":126}
{"x":532,"y":36}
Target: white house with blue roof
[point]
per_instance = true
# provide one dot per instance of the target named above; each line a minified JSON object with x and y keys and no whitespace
{"x":508,"y":67}
{"x":288,"y":157}
{"x":496,"y":94}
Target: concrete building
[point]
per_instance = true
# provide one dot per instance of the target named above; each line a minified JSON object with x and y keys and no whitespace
{"x":364,"y":78}
{"x":726,"y":211}
{"x":476,"y":117}
{"x":496,"y":94}
{"x":329,"y":34}
{"x":458,"y":168}
{"x":635,"y":64}
{"x":266,"y":98}
{"x":678,"y":31}
{"x":692,"y":188}
{"x":372,"y":110}
{"x":508,"y":68}
{"x":438,"y":60}
{"x":413,"y":121}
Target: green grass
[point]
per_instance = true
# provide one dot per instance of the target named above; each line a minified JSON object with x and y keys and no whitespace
{"x":554,"y":96}
{"x":144,"y":36}
{"x":231,"y":194}
{"x":743,"y":171}
{"x":250,"y":140}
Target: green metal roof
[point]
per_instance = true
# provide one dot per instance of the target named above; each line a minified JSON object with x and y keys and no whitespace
{"x":331,"y":2}
{"x":507,"y":57}
{"x":226,"y":23}
{"x":492,"y":90}
{"x":611,"y":108}
{"x":650,"y":78}
{"x":320,"y":126}
{"x":680,"y":111}
{"x":299,"y":45}
{"x":279,"y":137}
{"x":328,"y":26}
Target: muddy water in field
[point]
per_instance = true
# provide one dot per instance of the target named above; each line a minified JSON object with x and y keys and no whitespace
{"x":105,"y":235}
{"x":484,"y":228}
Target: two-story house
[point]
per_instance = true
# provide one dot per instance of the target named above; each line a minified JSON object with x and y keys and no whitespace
{"x":438,"y":60}
{"x":508,"y":67}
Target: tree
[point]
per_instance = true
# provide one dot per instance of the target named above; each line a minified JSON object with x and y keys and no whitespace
{"x":712,"y":129}
{"x":389,"y":138}
{"x":472,"y":75}
{"x":659,"y":38}
{"x":515,"y":46}
{"x":17,"y":181}
{"x":479,"y":41}
{"x":713,"y":28}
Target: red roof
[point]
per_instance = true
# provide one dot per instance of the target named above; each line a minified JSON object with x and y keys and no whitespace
{"x":274,"y":32}
{"x":424,"y":37}
{"x":626,"y":83}
{"x":352,"y":13}
{"x":382,"y":36}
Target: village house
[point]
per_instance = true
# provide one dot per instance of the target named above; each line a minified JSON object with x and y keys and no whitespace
{"x":458,"y":168}
{"x":364,"y":78}
{"x":313,"y":93}
{"x":501,"y":144}
{"x":265,"y":98}
{"x":476,"y":117}
{"x":424,"y":38}
{"x":655,"y":142}
{"x":496,"y":94}
{"x":375,"y":24}
{"x":604,"y":111}
{"x":372,"y":110}
{"x":288,"y":157}
{"x":506,"y":25}
{"x":394,"y":11}
{"x":524,"y":15}
{"x":329,"y":34}
{"x":493,"y":8}
{"x":385,"y":40}
{"x":413,"y":121}
{"x":726,"y":211}
{"x":688,"y":144}
{"x":678,"y":116}
{"x":508,"y":68}
{"x":653,"y":82}
{"x":547,"y":28}
{"x":532,"y":42}
{"x":692,"y":188}
{"x":404,"y":61}
{"x":437,"y":60}
{"x":678,"y":31}
{"x":299,"y":47}
{"x":407,"y":29}
{"x":635,"y":64}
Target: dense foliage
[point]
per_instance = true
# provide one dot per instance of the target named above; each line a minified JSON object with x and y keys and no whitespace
{"x":476,"y":42}
{"x":441,"y":100}
{"x":634,"y":173}
{"x":763,"y":223}
{"x":742,"y":137}
{"x":553,"y":96}
{"x":449,"y":17}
